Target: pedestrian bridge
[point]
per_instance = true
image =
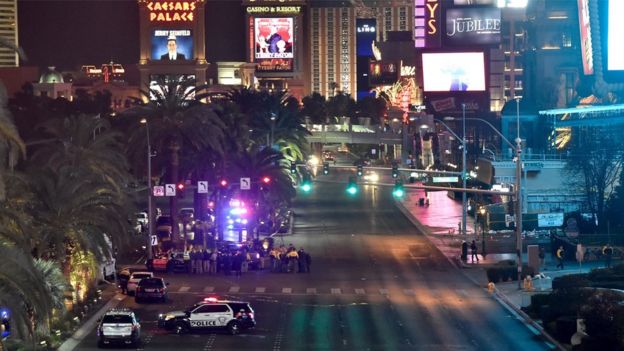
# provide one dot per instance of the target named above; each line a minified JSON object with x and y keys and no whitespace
{"x":353,"y":134}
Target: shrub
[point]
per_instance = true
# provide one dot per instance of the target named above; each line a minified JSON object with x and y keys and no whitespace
{"x":609,"y":285}
{"x":537,"y":301}
{"x":565,"y":328}
{"x":506,"y":263}
{"x":600,"y":274}
{"x":571,"y":281}
{"x":493,"y":275}
{"x":618,"y":269}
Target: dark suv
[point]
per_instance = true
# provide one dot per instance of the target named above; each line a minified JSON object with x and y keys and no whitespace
{"x":151,"y":288}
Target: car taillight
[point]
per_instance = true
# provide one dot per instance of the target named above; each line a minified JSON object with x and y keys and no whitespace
{"x":135,"y":327}
{"x":138,"y":289}
{"x":160,"y":290}
{"x":250,"y":314}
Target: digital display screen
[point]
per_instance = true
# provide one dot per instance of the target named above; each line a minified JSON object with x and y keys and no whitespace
{"x":172,"y":44}
{"x":453,"y":71}
{"x":615,"y":45}
{"x":156,"y":80}
{"x":480,"y":26}
{"x":273,"y":38}
{"x":586,"y":39}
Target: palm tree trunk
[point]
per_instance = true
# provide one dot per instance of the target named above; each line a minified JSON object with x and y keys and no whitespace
{"x":174,"y":167}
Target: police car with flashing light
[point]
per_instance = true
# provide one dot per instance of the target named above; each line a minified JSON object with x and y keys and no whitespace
{"x":210,"y":313}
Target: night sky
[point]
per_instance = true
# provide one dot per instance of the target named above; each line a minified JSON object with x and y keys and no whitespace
{"x":68,"y":34}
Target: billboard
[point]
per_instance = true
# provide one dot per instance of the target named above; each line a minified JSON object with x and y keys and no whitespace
{"x":273,"y":38}
{"x":453,"y":71}
{"x":615,"y":44}
{"x":427,"y":26}
{"x":383,"y":73}
{"x":586,"y":39}
{"x":172,"y":44}
{"x":474,"y":25}
{"x":157,"y":81}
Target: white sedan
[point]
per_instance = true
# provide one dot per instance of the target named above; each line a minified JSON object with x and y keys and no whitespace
{"x":135,"y":278}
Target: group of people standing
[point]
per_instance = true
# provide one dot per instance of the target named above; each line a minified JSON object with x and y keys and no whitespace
{"x":203,"y":261}
{"x":290,"y":260}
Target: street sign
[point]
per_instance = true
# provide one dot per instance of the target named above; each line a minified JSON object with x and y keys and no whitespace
{"x":549,"y":220}
{"x":509,"y":219}
{"x":202,"y":187}
{"x":445,"y":179}
{"x":245,"y":183}
{"x":159,"y":190}
{"x":154,"y":240}
{"x":170,"y":190}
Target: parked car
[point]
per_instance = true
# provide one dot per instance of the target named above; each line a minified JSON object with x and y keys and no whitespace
{"x":151,"y":288}
{"x":135,"y":278}
{"x":119,"y":326}
{"x":187,"y":212}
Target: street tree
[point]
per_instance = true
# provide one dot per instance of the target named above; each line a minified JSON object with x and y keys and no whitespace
{"x":315,"y":108}
{"x":594,"y":163}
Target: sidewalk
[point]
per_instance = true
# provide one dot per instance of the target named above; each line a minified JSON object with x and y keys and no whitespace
{"x":439,"y":222}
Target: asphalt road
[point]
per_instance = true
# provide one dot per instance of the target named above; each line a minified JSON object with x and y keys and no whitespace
{"x":376,"y":284}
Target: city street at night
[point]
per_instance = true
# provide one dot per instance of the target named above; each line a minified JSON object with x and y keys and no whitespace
{"x":375,"y":284}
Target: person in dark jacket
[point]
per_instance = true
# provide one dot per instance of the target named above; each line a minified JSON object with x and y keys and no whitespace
{"x":308,"y":262}
{"x":123,"y":278}
{"x":237,"y":263}
{"x":301,"y":263}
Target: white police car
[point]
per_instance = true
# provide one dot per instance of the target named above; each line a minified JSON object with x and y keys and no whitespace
{"x":119,"y":326}
{"x":211,"y":313}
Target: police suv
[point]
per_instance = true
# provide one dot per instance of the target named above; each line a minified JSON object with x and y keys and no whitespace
{"x":120,"y":326}
{"x":211,"y":313}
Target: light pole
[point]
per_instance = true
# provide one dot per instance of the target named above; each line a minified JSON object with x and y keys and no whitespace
{"x":273,"y":118}
{"x":482,"y":211}
{"x":150,"y":208}
{"x":464,"y":169}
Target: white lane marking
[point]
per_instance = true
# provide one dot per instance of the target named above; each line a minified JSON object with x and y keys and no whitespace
{"x":260,"y":289}
{"x":234,"y":289}
{"x":184,"y":289}
{"x":360,"y":291}
{"x":409,"y":292}
{"x":383,"y":291}
{"x":462,"y":292}
{"x":209,"y":289}
{"x":311,"y":291}
{"x":336,"y":291}
{"x":286,"y":290}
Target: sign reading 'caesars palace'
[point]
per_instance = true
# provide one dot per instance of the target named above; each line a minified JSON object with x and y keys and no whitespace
{"x":171,"y":11}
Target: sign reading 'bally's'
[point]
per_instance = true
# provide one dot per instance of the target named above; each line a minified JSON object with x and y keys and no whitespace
{"x":480,"y":26}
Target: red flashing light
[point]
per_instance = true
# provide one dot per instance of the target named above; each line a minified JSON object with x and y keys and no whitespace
{"x":223,"y":182}
{"x":180,"y":186}
{"x":266,"y":180}
{"x":211,"y":204}
{"x":211,"y":299}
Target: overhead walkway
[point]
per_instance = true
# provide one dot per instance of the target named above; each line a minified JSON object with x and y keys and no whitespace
{"x":353,"y":134}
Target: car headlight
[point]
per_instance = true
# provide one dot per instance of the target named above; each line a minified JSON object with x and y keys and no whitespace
{"x":169,"y":316}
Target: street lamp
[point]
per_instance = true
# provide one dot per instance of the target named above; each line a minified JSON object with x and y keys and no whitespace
{"x":483,"y":211}
{"x":273,"y":118}
{"x":150,"y":208}
{"x":463,"y":141}
{"x":518,"y":191}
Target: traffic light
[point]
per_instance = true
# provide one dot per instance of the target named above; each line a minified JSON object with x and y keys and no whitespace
{"x":306,"y":183}
{"x":360,"y":170}
{"x":352,"y":187}
{"x":398,"y":190}
{"x":266,"y":180}
{"x":293,"y":167}
{"x":180,"y":189}
{"x":325,"y":168}
{"x":395,"y":170}
{"x":223,"y":183}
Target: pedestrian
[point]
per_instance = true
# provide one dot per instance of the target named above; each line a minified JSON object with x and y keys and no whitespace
{"x":193,"y":257}
{"x":283,"y":262}
{"x":473,"y":251}
{"x":206,"y":261}
{"x":274,"y":255}
{"x":308,"y":262}
{"x":237,"y":263}
{"x":542,"y":257}
{"x":213,"y":262}
{"x":293,"y":259}
{"x":560,"y":255}
{"x":607,"y":251}
{"x":123,"y":278}
{"x":301,"y":261}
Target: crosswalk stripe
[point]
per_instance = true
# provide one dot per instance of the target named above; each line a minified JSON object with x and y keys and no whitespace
{"x":383,"y":291}
{"x":409,"y":292}
{"x":209,"y":289}
{"x":184,"y":289}
{"x":234,"y":289}
{"x":260,"y":289}
{"x":336,"y":291}
{"x":462,"y":292}
{"x":311,"y":291}
{"x":360,"y":291}
{"x":286,"y":290}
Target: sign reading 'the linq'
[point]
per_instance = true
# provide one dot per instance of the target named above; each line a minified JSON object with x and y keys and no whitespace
{"x":427,"y":18}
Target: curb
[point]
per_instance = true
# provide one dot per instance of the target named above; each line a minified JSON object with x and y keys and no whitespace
{"x":498,"y":296}
{"x":84,"y":330}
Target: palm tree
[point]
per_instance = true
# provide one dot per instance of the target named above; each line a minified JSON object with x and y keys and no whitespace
{"x":178,"y":126}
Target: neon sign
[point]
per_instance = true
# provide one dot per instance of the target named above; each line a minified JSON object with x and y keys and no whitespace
{"x":427,"y":14}
{"x":171,"y":11}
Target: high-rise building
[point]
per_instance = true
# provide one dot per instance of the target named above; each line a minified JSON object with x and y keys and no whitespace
{"x":332,"y":38}
{"x":8,"y":31}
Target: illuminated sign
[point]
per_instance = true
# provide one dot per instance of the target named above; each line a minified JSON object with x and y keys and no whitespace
{"x":408,"y":71}
{"x":479,"y":26}
{"x":427,"y":14}
{"x":172,"y":44}
{"x":274,"y":37}
{"x":274,"y":9}
{"x":615,"y":45}
{"x":171,"y":11}
{"x":586,"y":41}
{"x":382,"y":73}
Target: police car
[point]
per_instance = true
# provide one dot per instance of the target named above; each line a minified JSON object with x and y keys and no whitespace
{"x":211,"y":313}
{"x":119,"y":326}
